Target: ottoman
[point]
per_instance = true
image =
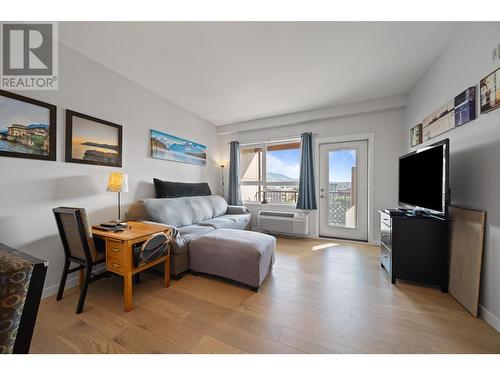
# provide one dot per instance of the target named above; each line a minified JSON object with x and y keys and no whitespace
{"x":239,"y":255}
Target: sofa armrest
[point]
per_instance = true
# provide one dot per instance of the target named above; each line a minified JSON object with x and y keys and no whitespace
{"x":236,"y":210}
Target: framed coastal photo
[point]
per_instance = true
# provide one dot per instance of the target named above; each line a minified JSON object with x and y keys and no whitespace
{"x":27,"y":127}
{"x":416,"y":135}
{"x":168,"y":147}
{"x":490,"y":92}
{"x":90,"y":140}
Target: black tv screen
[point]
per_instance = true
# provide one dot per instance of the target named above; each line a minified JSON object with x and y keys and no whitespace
{"x":423,"y":178}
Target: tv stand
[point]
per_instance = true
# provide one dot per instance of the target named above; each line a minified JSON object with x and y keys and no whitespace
{"x":414,"y":247}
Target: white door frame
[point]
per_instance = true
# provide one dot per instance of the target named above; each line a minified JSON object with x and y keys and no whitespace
{"x":370,"y":138}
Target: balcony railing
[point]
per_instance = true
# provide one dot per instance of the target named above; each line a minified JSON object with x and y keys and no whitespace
{"x":282,"y":196}
{"x":339,"y":203}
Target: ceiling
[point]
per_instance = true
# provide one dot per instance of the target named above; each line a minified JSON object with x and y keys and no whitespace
{"x":229,"y":72}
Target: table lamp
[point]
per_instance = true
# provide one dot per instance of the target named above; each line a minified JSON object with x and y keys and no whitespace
{"x":118,"y":183}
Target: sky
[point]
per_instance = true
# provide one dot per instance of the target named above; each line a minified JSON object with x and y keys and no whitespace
{"x":89,"y":131}
{"x":16,"y":112}
{"x":287,"y":162}
{"x":340,"y":165}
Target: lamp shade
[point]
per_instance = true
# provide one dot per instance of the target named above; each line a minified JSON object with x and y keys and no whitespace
{"x":118,"y":182}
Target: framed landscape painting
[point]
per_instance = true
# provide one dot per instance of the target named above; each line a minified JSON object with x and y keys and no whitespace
{"x":27,"y":127}
{"x":490,"y":92}
{"x":90,"y":140}
{"x":168,"y":147}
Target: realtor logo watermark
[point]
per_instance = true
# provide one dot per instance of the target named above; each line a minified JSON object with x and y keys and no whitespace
{"x":29,"y":56}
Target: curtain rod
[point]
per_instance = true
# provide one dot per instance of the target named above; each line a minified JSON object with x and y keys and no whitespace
{"x":268,"y":140}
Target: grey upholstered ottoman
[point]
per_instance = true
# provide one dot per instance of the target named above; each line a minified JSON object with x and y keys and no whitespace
{"x":239,"y":255}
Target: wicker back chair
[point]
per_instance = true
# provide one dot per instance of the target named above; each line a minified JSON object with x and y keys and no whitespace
{"x":79,"y":248}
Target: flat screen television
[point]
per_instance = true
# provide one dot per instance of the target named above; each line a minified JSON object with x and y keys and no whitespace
{"x":423,"y":179}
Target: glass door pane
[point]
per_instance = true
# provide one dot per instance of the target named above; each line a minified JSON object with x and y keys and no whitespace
{"x":342,"y":188}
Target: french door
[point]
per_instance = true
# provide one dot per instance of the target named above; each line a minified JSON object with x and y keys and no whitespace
{"x":343,"y":203}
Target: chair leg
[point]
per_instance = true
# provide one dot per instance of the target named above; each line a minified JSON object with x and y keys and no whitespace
{"x":83,"y":291}
{"x":64,"y":276}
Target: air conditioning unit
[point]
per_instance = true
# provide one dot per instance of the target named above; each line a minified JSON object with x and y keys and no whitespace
{"x":280,"y":222}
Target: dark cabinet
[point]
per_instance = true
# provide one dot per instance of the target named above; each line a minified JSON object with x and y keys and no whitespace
{"x":415,"y":248}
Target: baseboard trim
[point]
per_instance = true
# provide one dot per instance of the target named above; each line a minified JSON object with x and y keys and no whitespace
{"x":51,"y":290}
{"x":489,"y":318}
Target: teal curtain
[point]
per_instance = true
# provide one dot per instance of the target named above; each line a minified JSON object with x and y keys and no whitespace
{"x":307,"y":195}
{"x":234,"y":193}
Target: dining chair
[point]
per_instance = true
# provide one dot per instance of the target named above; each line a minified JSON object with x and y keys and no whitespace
{"x":79,"y":247}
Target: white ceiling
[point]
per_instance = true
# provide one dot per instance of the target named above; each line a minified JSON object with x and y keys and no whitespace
{"x":229,"y":72}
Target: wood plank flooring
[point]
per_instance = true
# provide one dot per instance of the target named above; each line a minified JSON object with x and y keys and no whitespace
{"x":322,"y":297}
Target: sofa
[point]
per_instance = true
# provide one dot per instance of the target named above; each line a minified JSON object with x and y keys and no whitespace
{"x":190,"y":218}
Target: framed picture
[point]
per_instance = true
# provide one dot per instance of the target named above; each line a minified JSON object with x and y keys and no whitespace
{"x":439,"y":122}
{"x":90,"y":140}
{"x":168,"y":147}
{"x":27,"y":127}
{"x":490,"y":92}
{"x":416,"y":135}
{"x":465,"y":106}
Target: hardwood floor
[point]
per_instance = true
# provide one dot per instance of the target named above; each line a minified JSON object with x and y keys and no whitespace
{"x":322,"y":297}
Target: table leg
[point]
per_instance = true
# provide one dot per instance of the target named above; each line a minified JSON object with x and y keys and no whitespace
{"x":127,"y":291}
{"x":167,"y":271}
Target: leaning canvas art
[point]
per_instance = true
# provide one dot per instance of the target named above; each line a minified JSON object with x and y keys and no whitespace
{"x":27,"y":127}
{"x":168,"y":147}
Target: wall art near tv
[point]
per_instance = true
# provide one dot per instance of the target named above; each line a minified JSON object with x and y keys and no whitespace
{"x":90,"y":140}
{"x":168,"y":147}
{"x":459,"y":111}
{"x":465,"y":106}
{"x":439,"y":121}
{"x":27,"y":127}
{"x":416,"y":135}
{"x":490,"y":92}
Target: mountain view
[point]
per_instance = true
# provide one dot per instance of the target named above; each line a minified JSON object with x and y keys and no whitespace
{"x":279,"y":177}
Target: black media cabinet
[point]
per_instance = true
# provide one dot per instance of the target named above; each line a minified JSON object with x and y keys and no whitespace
{"x":414,"y":247}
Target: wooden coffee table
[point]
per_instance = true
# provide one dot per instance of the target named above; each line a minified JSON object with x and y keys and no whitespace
{"x":120,"y":258}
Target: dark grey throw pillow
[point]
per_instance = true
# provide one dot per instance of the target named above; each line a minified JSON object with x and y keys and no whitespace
{"x":169,"y":189}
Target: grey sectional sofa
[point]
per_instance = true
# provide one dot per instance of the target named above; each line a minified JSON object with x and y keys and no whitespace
{"x":191,"y":217}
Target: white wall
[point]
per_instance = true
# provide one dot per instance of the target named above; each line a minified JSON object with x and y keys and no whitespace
{"x":29,"y":189}
{"x":385,"y":124}
{"x":474,"y":147}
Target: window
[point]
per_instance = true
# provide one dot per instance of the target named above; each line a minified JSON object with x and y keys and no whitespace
{"x":270,"y":171}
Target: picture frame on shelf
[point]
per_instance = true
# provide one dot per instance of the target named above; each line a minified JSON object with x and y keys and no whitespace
{"x":489,"y":89}
{"x":416,"y":135}
{"x":465,"y":106}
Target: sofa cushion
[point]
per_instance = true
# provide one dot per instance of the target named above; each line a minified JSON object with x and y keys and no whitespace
{"x":178,"y":212}
{"x":219,"y":222}
{"x":227,"y":221}
{"x":241,"y":219}
{"x":169,"y":189}
{"x":185,"y":235}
